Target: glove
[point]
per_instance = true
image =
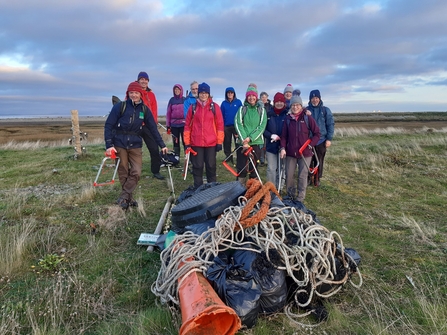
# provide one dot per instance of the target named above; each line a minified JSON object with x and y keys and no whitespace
{"x":274,"y":138}
{"x":168,"y":130}
{"x":110,"y":152}
{"x":218,"y":147}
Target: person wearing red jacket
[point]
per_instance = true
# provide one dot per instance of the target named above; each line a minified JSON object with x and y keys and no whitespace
{"x":297,"y":129}
{"x":150,"y":101}
{"x":204,"y":133}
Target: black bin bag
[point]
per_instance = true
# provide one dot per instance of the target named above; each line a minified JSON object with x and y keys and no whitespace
{"x":273,"y":284}
{"x":236,"y":287}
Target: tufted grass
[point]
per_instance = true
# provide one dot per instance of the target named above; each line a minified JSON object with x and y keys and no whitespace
{"x":383,"y":191}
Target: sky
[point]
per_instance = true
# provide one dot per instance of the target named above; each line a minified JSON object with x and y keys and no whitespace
{"x":363,"y":56}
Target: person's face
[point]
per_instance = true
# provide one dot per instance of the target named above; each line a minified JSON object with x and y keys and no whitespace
{"x":288,"y":95}
{"x":143,"y":82}
{"x":251,"y":99}
{"x":203,"y":96}
{"x":279,"y":105}
{"x":135,"y":96}
{"x":315,"y":101}
{"x":195,"y":90}
{"x":176,"y":91}
{"x":296,"y":108}
{"x":230,"y":95}
{"x":264,"y":98}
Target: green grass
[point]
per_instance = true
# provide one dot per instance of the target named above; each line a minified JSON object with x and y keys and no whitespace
{"x":384,"y":192}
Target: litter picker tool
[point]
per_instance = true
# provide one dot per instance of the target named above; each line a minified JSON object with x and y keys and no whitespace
{"x":111,"y":181}
{"x":168,"y":163}
{"x":281,"y":172}
{"x":188,"y":153}
{"x":250,"y":160}
{"x":312,"y":170}
{"x":168,"y":132}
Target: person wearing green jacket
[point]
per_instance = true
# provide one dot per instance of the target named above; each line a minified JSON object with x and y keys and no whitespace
{"x":250,"y":122}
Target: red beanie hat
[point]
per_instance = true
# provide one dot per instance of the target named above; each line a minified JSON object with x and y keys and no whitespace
{"x":279,"y":97}
{"x":135,"y":87}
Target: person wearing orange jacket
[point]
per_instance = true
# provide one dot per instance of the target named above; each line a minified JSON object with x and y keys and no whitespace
{"x":204,"y":133}
{"x":150,"y":101}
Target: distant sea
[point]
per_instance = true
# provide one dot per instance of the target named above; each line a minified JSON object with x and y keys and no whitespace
{"x":31,"y":115}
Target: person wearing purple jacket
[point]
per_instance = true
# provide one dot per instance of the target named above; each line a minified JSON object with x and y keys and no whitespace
{"x":175,"y":118}
{"x":298,"y":128}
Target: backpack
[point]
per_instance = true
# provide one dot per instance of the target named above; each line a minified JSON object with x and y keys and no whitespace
{"x":244,"y":111}
{"x":194,"y":106}
{"x":123,"y":108}
{"x":306,"y":120}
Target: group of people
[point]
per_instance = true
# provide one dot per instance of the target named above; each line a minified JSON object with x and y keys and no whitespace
{"x":272,"y":133}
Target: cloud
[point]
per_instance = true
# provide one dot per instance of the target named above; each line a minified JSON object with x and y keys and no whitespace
{"x":61,"y":55}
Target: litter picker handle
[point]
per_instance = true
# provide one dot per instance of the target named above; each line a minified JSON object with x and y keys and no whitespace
{"x":305,"y":145}
{"x":111,"y":156}
{"x":248,"y":151}
{"x":190,"y":150}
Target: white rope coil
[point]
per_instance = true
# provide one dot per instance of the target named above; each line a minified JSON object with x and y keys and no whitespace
{"x":309,"y":253}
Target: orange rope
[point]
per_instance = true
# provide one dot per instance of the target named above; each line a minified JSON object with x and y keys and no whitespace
{"x":255,"y":193}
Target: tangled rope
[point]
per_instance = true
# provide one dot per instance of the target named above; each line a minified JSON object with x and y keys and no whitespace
{"x":310,"y":254}
{"x":255,"y":192}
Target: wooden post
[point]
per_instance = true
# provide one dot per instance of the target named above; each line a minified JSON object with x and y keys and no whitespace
{"x":76,"y":132}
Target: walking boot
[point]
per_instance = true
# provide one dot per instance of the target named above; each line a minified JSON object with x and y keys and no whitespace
{"x":242,"y":180}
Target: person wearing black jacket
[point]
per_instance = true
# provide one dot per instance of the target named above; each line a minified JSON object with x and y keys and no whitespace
{"x":122,"y":135}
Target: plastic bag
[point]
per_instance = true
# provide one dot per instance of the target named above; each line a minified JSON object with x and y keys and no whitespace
{"x":236,"y":286}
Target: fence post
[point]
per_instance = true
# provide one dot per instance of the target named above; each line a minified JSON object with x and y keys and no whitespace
{"x":76,"y":133}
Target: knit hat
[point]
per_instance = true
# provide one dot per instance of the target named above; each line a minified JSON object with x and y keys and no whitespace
{"x":296,"y":92}
{"x":314,"y":93}
{"x":204,"y":87}
{"x":279,"y":97}
{"x":296,"y":99}
{"x":289,"y":88}
{"x":135,"y":87}
{"x":251,"y":91}
{"x":254,"y":86}
{"x":142,"y":75}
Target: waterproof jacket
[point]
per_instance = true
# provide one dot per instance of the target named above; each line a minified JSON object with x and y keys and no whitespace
{"x":204,"y":128}
{"x":325,"y":120}
{"x":275,"y":123}
{"x":150,"y":101}
{"x":190,"y":99}
{"x":175,"y":114}
{"x":295,"y":133}
{"x":123,"y":131}
{"x":250,"y":123}
{"x":229,"y":109}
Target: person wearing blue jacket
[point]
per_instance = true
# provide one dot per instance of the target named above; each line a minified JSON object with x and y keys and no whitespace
{"x":122,"y":135}
{"x":229,"y":108}
{"x":191,"y":98}
{"x":325,"y":121}
{"x":272,"y":133}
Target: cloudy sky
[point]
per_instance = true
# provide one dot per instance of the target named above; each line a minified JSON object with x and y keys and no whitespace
{"x":59,"y":55}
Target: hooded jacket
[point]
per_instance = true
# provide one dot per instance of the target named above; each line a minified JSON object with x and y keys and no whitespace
{"x":251,"y":124}
{"x":123,"y":131}
{"x":205,"y":128}
{"x":189,"y":100}
{"x":229,"y":109}
{"x":175,"y":114}
{"x":325,"y":120}
{"x":295,"y":133}
{"x":275,"y":124}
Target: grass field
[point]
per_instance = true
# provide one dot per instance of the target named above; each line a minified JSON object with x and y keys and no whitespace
{"x":69,"y":263}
